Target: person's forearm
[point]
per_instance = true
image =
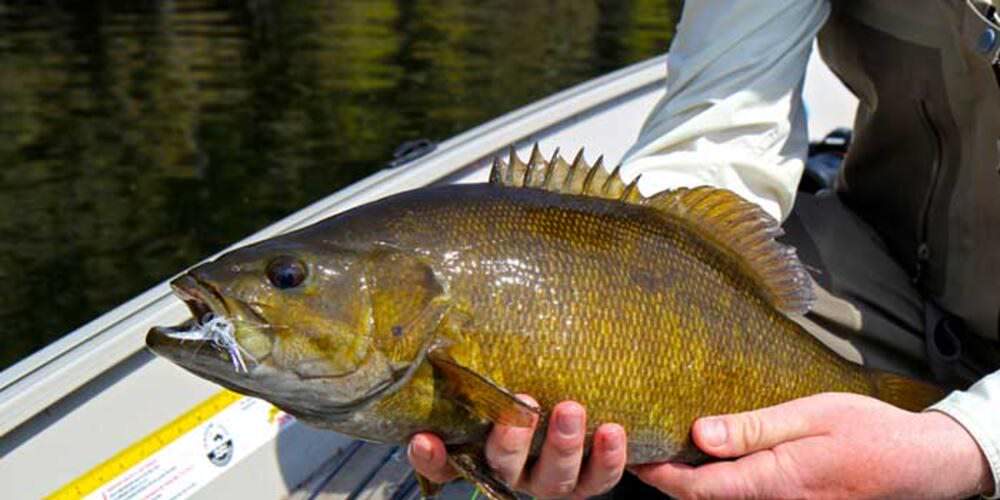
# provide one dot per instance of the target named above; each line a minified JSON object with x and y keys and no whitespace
{"x":732,"y":116}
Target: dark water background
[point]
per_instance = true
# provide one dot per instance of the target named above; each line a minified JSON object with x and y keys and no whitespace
{"x":137,"y":137}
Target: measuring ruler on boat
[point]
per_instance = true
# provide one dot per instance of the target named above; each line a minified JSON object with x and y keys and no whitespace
{"x":185,"y":454}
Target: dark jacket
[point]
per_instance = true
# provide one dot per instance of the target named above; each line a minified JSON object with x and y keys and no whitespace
{"x":924,"y":167}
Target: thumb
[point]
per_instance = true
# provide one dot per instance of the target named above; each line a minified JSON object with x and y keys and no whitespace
{"x":739,"y":434}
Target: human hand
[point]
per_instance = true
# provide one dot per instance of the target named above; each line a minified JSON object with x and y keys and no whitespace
{"x":828,"y":445}
{"x":559,"y":471}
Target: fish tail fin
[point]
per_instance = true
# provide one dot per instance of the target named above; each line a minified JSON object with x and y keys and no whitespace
{"x":904,"y":392}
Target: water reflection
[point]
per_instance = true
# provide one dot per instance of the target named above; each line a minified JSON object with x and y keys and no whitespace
{"x":139,"y":137}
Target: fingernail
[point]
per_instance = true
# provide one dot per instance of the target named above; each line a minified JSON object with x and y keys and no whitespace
{"x":420,"y":450}
{"x":569,"y":423}
{"x":713,"y":431}
{"x":613,"y":441}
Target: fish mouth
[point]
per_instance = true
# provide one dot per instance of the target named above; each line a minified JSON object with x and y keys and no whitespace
{"x":183,"y":343}
{"x":200,"y":297}
{"x":201,"y":300}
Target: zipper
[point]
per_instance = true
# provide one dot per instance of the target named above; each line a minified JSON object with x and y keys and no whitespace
{"x":923,"y":248}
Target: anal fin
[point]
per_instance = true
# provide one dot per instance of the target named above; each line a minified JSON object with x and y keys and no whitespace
{"x":471,"y":465}
{"x":428,"y":488}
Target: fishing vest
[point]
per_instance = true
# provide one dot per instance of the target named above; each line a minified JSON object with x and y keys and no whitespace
{"x":924,"y":166}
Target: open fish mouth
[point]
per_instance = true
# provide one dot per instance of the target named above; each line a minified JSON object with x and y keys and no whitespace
{"x":210,"y":325}
{"x":201,"y":298}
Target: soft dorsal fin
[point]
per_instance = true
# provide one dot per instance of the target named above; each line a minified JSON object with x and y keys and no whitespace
{"x":740,"y":227}
{"x":749,"y":233}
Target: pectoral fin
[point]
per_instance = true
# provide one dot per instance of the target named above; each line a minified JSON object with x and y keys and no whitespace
{"x":479,"y":394}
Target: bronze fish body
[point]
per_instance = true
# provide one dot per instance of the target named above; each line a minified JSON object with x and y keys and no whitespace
{"x":428,"y":310}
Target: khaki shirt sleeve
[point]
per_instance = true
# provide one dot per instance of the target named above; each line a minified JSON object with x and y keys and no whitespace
{"x":732,"y":115}
{"x":978,"y":411}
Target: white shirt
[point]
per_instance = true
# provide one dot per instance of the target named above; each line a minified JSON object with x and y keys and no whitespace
{"x":732,"y":117}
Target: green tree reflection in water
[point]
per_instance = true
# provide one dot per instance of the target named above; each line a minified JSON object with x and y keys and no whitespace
{"x":139,"y":137}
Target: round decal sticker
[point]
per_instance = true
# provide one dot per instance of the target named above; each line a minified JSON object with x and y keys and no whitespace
{"x":218,"y":444}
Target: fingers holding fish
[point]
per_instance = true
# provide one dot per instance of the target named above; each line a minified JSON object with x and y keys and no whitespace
{"x":507,"y":448}
{"x":855,"y":447}
{"x":606,"y":464}
{"x":754,"y":476}
{"x":558,"y":467}
{"x":559,"y":471}
{"x":738,"y":434}
{"x":428,"y":457}
{"x":751,"y":435}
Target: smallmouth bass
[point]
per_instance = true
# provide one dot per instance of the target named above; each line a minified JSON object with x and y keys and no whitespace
{"x":428,"y":310}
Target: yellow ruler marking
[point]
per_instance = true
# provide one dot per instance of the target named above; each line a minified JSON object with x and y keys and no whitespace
{"x":146,"y":447}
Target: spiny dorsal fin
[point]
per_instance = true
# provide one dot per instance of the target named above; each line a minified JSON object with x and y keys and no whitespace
{"x":742,"y":228}
{"x":537,"y":166}
{"x":558,"y":175}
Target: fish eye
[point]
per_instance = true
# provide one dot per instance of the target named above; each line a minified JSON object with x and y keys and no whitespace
{"x":286,"y":272}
